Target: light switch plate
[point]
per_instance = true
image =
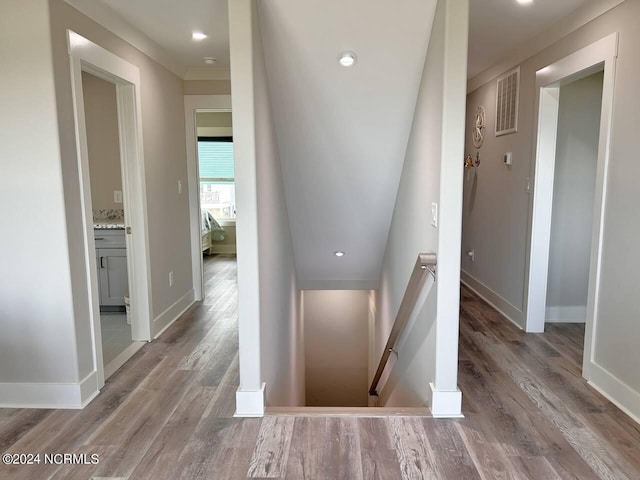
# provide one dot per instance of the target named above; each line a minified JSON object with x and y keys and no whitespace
{"x":179,"y":187}
{"x":434,"y":215}
{"x":117,"y":196}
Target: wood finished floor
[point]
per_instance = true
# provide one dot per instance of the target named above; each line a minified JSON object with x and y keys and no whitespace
{"x":167,"y":414}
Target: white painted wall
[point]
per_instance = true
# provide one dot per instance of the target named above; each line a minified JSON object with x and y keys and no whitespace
{"x":165,"y":163}
{"x":46,"y":350}
{"x":336,"y":337}
{"x":432,"y":173}
{"x":573,"y":199}
{"x":103,"y":142}
{"x":36,"y":301}
{"x":497,"y":229}
{"x":165,"y":160}
{"x":282,"y":340}
{"x":271,"y":349}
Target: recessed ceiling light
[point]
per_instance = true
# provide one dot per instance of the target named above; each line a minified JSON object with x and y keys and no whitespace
{"x":209,"y":61}
{"x":524,"y":2}
{"x":339,"y":253}
{"x":198,"y":36}
{"x":347,"y":59}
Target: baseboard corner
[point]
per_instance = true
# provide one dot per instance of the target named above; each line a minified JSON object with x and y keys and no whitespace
{"x":445,"y":403}
{"x":250,"y":403}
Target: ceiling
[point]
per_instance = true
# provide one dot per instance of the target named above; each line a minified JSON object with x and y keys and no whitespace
{"x":170,"y":23}
{"x":498,"y":26}
{"x":342,"y":132}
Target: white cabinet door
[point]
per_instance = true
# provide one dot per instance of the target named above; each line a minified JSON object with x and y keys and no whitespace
{"x":112,"y":270}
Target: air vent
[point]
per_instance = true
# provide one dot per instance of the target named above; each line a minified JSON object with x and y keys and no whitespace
{"x":507,"y":100}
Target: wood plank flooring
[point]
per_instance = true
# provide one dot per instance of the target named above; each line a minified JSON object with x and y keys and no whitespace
{"x":167,"y":414}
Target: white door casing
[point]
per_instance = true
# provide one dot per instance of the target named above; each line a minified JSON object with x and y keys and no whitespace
{"x":92,"y":58}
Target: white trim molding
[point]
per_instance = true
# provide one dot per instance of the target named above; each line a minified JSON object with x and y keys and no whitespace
{"x":50,"y":395}
{"x":506,"y":309}
{"x":171,"y":314}
{"x":445,"y":404}
{"x":84,"y":55}
{"x":250,"y":403}
{"x":598,"y":56}
{"x":615,"y":390}
{"x":566,"y":314}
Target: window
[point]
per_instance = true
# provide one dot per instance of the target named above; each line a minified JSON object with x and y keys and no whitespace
{"x":217,"y":181}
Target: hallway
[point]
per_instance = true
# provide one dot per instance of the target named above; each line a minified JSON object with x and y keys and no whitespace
{"x":167,"y":414}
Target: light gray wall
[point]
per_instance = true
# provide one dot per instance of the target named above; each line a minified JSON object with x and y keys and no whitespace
{"x":336,"y":337}
{"x":496,"y":205}
{"x":207,"y":87}
{"x":165,"y":163}
{"x":103,"y":142}
{"x":36,"y":300}
{"x":574,"y":193}
{"x":432,"y":144}
{"x":281,"y":335}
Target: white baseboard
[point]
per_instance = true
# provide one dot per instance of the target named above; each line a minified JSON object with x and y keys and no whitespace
{"x":615,"y":390}
{"x":171,"y":314}
{"x":49,"y":395}
{"x":122,"y":358}
{"x":509,"y":311}
{"x":222,"y":248}
{"x":250,"y":403}
{"x":567,"y":314}
{"x":445,"y":404}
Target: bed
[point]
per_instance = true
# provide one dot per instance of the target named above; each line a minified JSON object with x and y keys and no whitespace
{"x":211,"y":231}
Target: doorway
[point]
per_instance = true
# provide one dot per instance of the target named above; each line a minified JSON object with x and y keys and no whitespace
{"x":557,"y":172}
{"x":105,"y":172}
{"x":204,"y":239}
{"x":87,"y":58}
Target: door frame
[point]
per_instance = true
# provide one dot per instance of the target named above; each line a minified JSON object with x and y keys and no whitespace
{"x":193,"y":104}
{"x":599,"y":56}
{"x":89,"y":57}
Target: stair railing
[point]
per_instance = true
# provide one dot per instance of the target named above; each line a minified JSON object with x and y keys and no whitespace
{"x":426,"y":263}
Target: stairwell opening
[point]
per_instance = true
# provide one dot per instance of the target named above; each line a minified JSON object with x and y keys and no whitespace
{"x":338,"y":335}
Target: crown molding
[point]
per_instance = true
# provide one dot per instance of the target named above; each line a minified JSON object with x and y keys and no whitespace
{"x":117,"y":25}
{"x":548,"y":37}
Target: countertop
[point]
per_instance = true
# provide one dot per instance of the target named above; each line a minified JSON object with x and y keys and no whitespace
{"x":109,"y":225}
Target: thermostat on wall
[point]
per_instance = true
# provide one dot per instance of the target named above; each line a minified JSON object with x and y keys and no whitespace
{"x":508,"y":158}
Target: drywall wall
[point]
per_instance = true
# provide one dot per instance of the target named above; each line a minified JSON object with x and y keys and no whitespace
{"x":103,"y":142}
{"x":214,"y":124}
{"x":214,"y":119}
{"x":281,"y":332}
{"x":165,"y":164}
{"x":37,"y":348}
{"x":270,"y":328}
{"x":207,"y":87}
{"x":428,"y":349}
{"x":336,"y":337}
{"x":573,"y":199}
{"x":496,"y":207}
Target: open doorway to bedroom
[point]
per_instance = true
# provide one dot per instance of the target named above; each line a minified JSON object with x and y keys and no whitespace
{"x":209,"y":131}
{"x":216,"y":186}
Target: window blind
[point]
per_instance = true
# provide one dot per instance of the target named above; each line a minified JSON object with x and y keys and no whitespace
{"x":216,"y":160}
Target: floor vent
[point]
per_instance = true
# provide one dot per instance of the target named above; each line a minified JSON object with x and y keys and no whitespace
{"x":507,"y":100}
